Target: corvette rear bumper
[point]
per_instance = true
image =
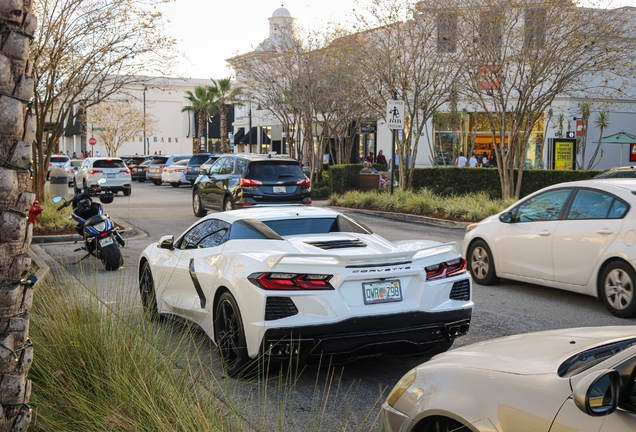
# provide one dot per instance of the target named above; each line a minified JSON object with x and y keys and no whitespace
{"x":406,"y":333}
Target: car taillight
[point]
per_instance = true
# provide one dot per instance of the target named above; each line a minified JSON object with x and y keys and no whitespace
{"x":94,"y":171}
{"x":304,"y":182}
{"x":179,"y":170}
{"x":162,"y":166}
{"x":446,"y":269}
{"x":127,"y":171}
{"x":250,"y":182}
{"x":70,"y":171}
{"x":290,"y":281}
{"x":50,"y":165}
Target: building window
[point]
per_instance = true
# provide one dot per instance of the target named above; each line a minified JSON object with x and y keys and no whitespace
{"x":155,"y":139}
{"x":447,"y":32}
{"x":169,"y":139}
{"x":490,"y":35}
{"x":534,"y":26}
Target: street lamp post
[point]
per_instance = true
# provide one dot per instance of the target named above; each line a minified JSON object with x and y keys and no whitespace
{"x":145,"y":121}
{"x":249,"y":137}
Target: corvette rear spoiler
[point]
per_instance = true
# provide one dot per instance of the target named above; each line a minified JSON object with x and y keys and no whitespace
{"x":388,"y":258}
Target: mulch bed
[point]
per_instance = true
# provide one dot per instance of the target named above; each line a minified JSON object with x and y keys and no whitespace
{"x":41,"y":231}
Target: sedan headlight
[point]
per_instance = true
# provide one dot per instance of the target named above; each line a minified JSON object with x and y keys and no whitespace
{"x":471,"y":227}
{"x":401,"y":387}
{"x":100,"y":226}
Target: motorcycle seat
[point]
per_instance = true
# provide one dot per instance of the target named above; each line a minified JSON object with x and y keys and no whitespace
{"x":94,"y":220}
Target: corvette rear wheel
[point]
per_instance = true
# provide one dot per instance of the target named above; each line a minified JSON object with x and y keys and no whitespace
{"x":147,"y":292}
{"x":618,"y":282}
{"x":197,"y":204}
{"x":230,"y":337}
{"x":481,"y":264}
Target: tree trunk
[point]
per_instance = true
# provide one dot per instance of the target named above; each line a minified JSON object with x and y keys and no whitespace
{"x":223,"y":115}
{"x":17,"y":131}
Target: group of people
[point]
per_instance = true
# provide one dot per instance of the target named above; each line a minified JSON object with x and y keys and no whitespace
{"x":476,"y":160}
{"x":83,"y":154}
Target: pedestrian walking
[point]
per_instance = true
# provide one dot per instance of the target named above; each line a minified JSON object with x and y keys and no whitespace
{"x":461,"y":160}
{"x":473,"y":161}
{"x":381,"y":159}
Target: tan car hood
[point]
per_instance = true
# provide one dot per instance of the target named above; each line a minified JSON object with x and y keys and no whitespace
{"x":532,"y":353}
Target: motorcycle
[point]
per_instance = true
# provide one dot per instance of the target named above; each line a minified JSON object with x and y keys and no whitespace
{"x":101,"y":238}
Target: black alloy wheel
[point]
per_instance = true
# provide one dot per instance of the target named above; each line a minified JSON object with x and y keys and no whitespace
{"x":230,"y":337}
{"x":175,"y":184}
{"x":157,"y":182}
{"x":147,"y":292}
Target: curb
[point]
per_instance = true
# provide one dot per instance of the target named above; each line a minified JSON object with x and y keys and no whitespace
{"x":129,"y":232}
{"x":36,"y":253}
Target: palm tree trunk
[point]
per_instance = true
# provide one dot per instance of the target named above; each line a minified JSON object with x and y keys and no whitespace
{"x":17,"y":131}
{"x":223,"y":121}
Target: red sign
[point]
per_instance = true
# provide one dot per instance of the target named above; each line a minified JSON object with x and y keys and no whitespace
{"x":489,"y":76}
{"x":579,"y":128}
{"x":632,"y":152}
{"x":92,"y":141}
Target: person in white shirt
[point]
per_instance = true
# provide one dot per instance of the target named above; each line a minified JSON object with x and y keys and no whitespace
{"x":473,"y":161}
{"x":461,"y":160}
{"x":97,"y":153}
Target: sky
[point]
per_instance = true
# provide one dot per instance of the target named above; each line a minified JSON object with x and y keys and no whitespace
{"x":210,"y":31}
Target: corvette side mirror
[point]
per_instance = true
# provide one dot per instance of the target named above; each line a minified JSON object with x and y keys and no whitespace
{"x":166,"y":242}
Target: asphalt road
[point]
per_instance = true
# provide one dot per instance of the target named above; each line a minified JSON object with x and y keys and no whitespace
{"x":344,"y":397}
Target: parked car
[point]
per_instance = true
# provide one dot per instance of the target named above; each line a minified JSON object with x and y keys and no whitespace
{"x":581,"y":379}
{"x":114,"y":170}
{"x":139,"y":172}
{"x":155,"y":168}
{"x":57,"y":161}
{"x":245,"y":180}
{"x":208,"y":163}
{"x":134,"y":161}
{"x":175,"y":174}
{"x":576,"y":236}
{"x":72,"y":166}
{"x":618,"y":172}
{"x":194,"y":165}
{"x":306,"y":282}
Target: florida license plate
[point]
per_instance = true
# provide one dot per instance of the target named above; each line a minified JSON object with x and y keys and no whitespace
{"x":109,"y":175}
{"x":280,"y":189}
{"x":105,"y":242}
{"x":382,"y":291}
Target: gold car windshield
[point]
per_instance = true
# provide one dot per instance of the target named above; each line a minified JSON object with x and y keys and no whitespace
{"x":593,"y":356}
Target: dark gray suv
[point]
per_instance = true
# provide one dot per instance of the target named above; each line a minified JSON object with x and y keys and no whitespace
{"x":244,"y":180}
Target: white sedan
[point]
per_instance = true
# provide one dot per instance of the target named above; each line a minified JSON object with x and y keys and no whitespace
{"x":578,"y":236}
{"x":301,"y":282}
{"x":566,"y":380}
{"x":175,"y":174}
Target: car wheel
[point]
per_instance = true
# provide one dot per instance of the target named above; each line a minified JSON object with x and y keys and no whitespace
{"x":147,"y":292}
{"x":440,"y":424}
{"x":141,"y":180}
{"x":75,"y":188}
{"x":197,"y":204}
{"x":230,"y":336}
{"x":616,"y":288}
{"x":128,"y":191}
{"x":228,"y":204}
{"x":157,"y":182}
{"x":175,"y":184}
{"x":481,"y":264}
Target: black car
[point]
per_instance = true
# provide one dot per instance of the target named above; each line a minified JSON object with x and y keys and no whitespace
{"x":618,"y":172}
{"x":244,"y":180}
{"x":138,"y":172}
{"x":194,"y":165}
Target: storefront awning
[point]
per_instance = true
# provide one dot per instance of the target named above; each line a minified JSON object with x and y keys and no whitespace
{"x":238,"y":135}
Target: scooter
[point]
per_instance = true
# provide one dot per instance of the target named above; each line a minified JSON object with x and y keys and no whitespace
{"x":101,"y":238}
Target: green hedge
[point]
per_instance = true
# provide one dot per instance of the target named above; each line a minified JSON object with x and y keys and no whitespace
{"x":460,"y":181}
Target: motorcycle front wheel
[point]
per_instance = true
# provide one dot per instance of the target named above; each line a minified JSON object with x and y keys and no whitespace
{"x":111,"y":257}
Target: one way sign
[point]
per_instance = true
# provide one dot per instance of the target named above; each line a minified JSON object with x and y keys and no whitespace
{"x":395,"y":114}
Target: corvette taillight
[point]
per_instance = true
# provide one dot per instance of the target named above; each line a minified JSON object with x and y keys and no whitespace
{"x":250,"y":182}
{"x":304,"y":182}
{"x":450,"y":268}
{"x":290,"y":281}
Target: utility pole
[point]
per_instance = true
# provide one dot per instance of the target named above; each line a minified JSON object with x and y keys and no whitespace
{"x":145,"y":153}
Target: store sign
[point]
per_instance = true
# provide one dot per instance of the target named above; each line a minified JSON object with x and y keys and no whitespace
{"x":368,"y":128}
{"x":632,"y":152}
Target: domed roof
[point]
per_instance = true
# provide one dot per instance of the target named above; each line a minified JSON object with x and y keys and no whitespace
{"x":281,"y":12}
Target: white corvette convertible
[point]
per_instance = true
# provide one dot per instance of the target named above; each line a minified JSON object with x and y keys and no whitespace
{"x":304,"y":282}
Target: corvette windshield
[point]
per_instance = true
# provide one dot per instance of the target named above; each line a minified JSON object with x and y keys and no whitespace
{"x":288,"y":227}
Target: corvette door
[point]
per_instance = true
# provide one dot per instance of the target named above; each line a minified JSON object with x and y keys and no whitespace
{"x":593,"y":221}
{"x":524,"y":246}
{"x":184,"y":294}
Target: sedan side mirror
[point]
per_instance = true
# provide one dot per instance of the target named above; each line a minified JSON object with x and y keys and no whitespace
{"x":166,"y":242}
{"x":597,"y":394}
{"x":506,"y":217}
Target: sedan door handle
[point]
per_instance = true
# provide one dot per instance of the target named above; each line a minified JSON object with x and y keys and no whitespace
{"x":605,"y":231}
{"x":544,"y":233}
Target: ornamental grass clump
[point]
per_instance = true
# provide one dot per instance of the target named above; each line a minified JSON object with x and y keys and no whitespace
{"x":423,"y":201}
{"x":52,"y":220}
{"x":101,"y":369}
